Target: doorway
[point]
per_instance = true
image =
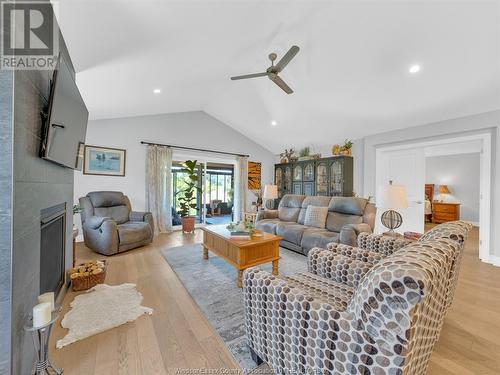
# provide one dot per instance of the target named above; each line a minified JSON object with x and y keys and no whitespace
{"x":406,"y":165}
{"x":215,"y":199}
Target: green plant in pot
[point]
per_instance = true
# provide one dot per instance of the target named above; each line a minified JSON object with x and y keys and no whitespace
{"x":186,"y":197}
{"x":346,"y":148}
{"x":305,"y":153}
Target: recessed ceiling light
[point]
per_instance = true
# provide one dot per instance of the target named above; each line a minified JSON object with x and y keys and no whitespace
{"x":156,"y":91}
{"x":414,"y":69}
{"x":274,"y":123}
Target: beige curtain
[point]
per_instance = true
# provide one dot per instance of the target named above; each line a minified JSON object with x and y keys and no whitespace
{"x":240,"y":187}
{"x":159,"y":186}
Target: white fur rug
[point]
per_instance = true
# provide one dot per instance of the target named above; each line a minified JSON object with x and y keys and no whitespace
{"x":101,"y":308}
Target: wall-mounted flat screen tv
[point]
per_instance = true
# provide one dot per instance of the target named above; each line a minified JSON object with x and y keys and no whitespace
{"x":66,"y":120}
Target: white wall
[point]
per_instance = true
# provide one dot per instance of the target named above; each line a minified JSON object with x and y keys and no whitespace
{"x":461,"y":174}
{"x":191,"y":129}
{"x":485,"y":122}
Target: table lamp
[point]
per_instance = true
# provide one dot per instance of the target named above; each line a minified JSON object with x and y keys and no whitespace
{"x":270,"y":194}
{"x":391,"y":197}
{"x":443,"y":190}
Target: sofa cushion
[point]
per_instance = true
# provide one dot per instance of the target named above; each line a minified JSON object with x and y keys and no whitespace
{"x":107,"y":198}
{"x":314,"y":237}
{"x":318,"y":201}
{"x":291,"y":232}
{"x":288,"y":214}
{"x":335,"y":221}
{"x":267,"y":225}
{"x":133,"y":231}
{"x":120,"y":214}
{"x":321,"y":289}
{"x":348,"y":205}
{"x":316,"y":216}
{"x":292,"y":201}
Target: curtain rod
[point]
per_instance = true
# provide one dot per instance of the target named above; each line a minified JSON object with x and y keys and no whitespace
{"x":193,"y":148}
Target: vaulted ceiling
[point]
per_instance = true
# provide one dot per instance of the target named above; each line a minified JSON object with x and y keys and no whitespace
{"x":350,"y":77}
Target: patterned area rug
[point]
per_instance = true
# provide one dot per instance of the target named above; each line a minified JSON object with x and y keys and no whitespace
{"x":212,"y":284}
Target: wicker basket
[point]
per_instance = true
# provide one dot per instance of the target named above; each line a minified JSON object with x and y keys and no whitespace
{"x":87,"y":282}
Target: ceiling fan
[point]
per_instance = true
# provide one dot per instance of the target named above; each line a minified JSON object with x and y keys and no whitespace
{"x":273,"y":71}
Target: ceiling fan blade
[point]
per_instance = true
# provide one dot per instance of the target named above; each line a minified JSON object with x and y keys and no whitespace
{"x":287,"y":58}
{"x":250,"y":76}
{"x":282,"y":84}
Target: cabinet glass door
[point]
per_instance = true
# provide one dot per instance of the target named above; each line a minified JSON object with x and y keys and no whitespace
{"x":336,"y":178}
{"x":278,"y":180}
{"x":321,"y":179}
{"x":297,"y":173}
{"x":309,"y":172}
{"x":287,"y":180}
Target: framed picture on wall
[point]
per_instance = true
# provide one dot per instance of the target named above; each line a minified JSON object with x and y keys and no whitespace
{"x":104,"y":161}
{"x":254,"y":174}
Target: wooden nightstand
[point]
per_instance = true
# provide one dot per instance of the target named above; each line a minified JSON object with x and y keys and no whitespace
{"x":444,"y":211}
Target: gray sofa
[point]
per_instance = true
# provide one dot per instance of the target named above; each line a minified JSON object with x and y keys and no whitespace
{"x":347,"y":217}
{"x":109,"y":224}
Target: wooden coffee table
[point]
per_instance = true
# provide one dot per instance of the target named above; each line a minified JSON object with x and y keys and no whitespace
{"x":241,"y":254}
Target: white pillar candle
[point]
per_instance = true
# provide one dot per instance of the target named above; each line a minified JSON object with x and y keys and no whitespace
{"x":41,"y":314}
{"x":47,"y":297}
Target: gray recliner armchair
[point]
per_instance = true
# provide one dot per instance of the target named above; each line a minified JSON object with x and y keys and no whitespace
{"x":109,"y":224}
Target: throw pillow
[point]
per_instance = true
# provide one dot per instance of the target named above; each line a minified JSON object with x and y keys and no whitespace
{"x":316,"y":216}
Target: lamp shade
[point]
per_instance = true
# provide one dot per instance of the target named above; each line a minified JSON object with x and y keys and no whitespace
{"x":391,"y":196}
{"x":270,"y":192}
{"x":443,"y":189}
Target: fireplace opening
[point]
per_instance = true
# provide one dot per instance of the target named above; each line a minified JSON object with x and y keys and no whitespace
{"x":52,"y":248}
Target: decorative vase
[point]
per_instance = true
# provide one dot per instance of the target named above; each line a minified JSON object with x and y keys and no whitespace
{"x":188,"y":224}
{"x":336,"y":150}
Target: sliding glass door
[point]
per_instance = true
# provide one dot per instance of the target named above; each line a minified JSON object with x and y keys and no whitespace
{"x":214,"y":201}
{"x":218,"y":193}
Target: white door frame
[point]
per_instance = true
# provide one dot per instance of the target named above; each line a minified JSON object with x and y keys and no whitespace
{"x":485,"y":158}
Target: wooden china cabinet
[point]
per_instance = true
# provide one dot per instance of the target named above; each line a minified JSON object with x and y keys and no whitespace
{"x":330,"y":176}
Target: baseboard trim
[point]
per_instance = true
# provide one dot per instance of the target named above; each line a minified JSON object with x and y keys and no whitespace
{"x":494,"y":260}
{"x":79,"y":238}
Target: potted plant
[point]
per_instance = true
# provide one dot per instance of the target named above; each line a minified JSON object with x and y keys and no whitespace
{"x":76,"y":210}
{"x":187,"y":196}
{"x":305,"y":153}
{"x":346,"y":148}
{"x":287,"y":156}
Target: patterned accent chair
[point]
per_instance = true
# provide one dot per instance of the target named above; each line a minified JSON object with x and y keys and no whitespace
{"x":109,"y":224}
{"x":372,"y":310}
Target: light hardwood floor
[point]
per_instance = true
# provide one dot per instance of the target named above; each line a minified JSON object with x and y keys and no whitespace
{"x":178,"y":335}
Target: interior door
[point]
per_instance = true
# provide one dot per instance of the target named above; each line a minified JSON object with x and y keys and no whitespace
{"x":404,"y":167}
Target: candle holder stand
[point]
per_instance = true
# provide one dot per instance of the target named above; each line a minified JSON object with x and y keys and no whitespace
{"x":40,"y":337}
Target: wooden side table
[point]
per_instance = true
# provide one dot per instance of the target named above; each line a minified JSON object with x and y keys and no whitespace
{"x":445,"y":211}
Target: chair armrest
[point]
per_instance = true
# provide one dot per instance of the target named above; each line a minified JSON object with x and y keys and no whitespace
{"x":265,"y":298}
{"x":137,"y":215}
{"x":349,"y":233}
{"x":347,"y":267}
{"x":95,"y":222}
{"x":146,"y":217}
{"x":266,"y":214}
{"x":380,"y":243}
{"x":103,"y":239}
